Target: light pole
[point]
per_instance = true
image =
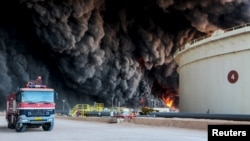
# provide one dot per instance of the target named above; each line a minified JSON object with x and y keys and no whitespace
{"x":63,"y":103}
{"x":111,"y":113}
{"x":152,"y":102}
{"x":115,"y":102}
{"x":119,"y":106}
{"x":112,"y":103}
{"x":94,"y":106}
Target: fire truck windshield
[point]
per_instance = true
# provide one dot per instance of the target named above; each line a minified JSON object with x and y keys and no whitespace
{"x":37,"y":96}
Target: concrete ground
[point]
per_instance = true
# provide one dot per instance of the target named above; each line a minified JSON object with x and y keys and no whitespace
{"x":66,"y":129}
{"x":103,"y":128}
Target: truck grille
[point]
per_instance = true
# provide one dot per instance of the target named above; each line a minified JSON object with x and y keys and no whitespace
{"x":37,"y":112}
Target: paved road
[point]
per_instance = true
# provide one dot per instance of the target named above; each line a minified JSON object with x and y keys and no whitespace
{"x":75,"y":130}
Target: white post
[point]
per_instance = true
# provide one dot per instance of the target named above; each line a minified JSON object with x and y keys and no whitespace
{"x":63,"y":103}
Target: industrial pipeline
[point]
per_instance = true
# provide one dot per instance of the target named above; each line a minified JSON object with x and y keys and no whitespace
{"x":235,"y":117}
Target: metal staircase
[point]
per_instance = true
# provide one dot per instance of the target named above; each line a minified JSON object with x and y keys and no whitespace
{"x":80,"y":109}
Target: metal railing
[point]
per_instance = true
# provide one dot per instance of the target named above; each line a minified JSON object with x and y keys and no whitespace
{"x":195,"y":41}
{"x":80,"y":109}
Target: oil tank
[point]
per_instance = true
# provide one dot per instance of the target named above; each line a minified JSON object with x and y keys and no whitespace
{"x":214,"y":73}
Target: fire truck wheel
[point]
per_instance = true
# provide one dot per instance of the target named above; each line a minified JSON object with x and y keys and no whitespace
{"x":48,"y":126}
{"x":20,"y":127}
{"x":10,"y":125}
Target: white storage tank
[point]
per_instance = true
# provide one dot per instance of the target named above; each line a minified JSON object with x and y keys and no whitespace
{"x":214,"y":73}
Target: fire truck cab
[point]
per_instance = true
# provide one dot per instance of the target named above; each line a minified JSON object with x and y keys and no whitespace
{"x":31,"y":107}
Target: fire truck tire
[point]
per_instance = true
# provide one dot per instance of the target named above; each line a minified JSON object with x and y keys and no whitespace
{"x":48,"y":126}
{"x":20,"y":128}
{"x":10,"y":125}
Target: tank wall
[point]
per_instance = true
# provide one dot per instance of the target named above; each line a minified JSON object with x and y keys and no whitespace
{"x":203,"y":73}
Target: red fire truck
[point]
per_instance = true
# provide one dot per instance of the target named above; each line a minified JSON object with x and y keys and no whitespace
{"x":31,"y":107}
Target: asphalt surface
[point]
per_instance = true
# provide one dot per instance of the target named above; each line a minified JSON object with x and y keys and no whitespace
{"x":78,"y":130}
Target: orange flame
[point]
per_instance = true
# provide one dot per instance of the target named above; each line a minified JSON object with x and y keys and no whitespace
{"x":170,"y":98}
{"x":169,"y":101}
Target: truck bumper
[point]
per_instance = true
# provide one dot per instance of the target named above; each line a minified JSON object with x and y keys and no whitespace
{"x":35,"y":120}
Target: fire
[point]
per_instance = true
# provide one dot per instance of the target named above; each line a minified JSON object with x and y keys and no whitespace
{"x":170,"y":98}
{"x":169,"y":101}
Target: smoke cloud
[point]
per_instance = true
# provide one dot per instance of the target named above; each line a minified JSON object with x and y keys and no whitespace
{"x":105,"y":51}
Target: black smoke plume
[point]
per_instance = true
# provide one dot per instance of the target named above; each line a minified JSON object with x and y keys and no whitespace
{"x":106,"y":51}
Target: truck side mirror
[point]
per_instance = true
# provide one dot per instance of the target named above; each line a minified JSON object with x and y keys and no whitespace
{"x":56,"y":95}
{"x":18,"y":97}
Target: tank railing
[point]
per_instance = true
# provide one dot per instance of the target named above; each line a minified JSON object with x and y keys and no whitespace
{"x":209,"y":36}
{"x":199,"y":39}
{"x":237,"y":27}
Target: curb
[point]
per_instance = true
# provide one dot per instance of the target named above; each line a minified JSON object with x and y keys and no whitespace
{"x":200,"y":124}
